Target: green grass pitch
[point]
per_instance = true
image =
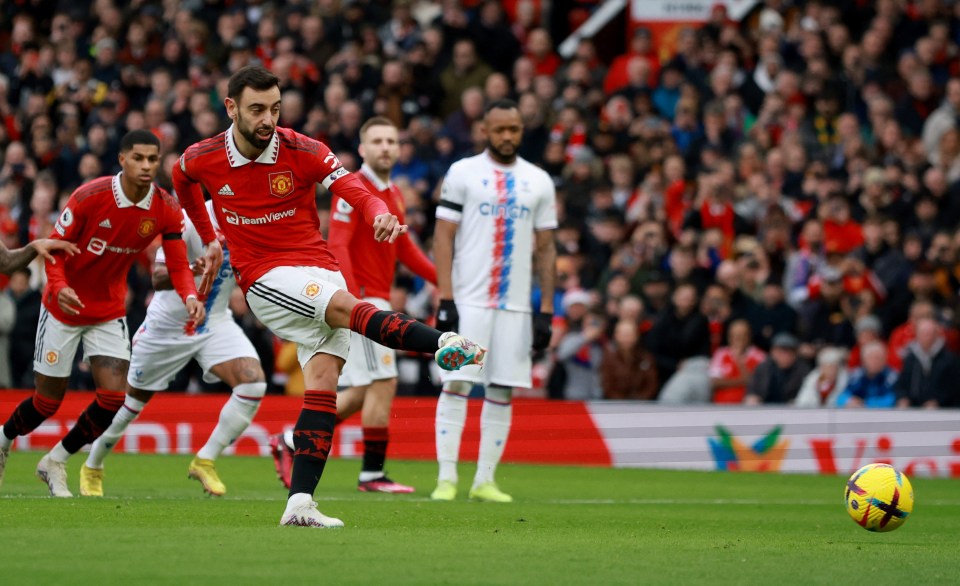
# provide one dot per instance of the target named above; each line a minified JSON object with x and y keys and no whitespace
{"x":567,"y":526}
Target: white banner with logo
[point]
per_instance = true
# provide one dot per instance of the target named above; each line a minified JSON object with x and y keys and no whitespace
{"x":826,"y":441}
{"x":686,"y":10}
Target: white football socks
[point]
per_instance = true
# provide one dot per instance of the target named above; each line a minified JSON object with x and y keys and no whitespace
{"x":102,"y":446}
{"x":5,"y":442}
{"x":494,"y":430}
{"x":451,"y":418}
{"x":59,"y":453}
{"x":235,"y":417}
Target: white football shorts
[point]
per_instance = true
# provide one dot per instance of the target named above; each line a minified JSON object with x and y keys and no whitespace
{"x":368,"y":361}
{"x":507,"y":336}
{"x":57,"y":343}
{"x":157,"y":357}
{"x":292,"y":302}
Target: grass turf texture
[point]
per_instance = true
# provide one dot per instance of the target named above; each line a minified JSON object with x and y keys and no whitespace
{"x":567,"y":526}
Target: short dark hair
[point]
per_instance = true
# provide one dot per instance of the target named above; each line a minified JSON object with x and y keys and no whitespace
{"x":135,"y":137}
{"x":254,"y":77}
{"x":504,"y":104}
{"x":376,"y":121}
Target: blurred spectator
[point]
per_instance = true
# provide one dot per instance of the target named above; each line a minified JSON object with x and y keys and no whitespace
{"x":680,"y":343}
{"x":27,"y":301}
{"x":868,"y":330}
{"x":772,"y":315}
{"x":930,"y":370}
{"x":823,"y":384}
{"x":580,"y":350}
{"x":628,"y":370}
{"x":871,"y":385}
{"x":8,"y":319}
{"x":778,"y":378}
{"x":466,"y":70}
{"x":731,"y":366}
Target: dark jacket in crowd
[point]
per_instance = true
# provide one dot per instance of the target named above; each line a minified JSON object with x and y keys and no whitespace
{"x":929,"y":376}
{"x":775,"y":385}
{"x":674,"y":339}
{"x":629,"y":376}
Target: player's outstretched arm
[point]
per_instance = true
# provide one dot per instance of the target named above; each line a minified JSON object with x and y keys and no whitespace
{"x":191,"y":199}
{"x":413,"y":257}
{"x":12,"y":260}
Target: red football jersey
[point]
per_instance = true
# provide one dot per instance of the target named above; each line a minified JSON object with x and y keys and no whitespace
{"x":111,"y":232}
{"x":267,"y":208}
{"x":367,"y":265}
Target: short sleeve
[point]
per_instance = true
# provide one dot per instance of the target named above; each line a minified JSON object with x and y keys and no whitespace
{"x":452,"y":196}
{"x":545,"y":217}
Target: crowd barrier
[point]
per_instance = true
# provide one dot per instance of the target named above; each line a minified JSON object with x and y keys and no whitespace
{"x":620,"y":434}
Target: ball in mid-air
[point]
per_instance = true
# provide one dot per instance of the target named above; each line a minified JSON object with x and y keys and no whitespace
{"x":878,"y":497}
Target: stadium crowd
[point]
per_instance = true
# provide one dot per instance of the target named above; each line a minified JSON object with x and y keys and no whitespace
{"x":767,"y":215}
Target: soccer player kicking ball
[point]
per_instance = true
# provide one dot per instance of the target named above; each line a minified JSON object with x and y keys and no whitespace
{"x":262,"y":180}
{"x":164,"y":344}
{"x":370,"y":373}
{"x":112,"y":219}
{"x":496,"y":213}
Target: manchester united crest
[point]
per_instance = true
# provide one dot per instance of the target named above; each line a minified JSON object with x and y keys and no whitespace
{"x":281,"y":184}
{"x":52,"y":358}
{"x":311,"y":290}
{"x":147,"y":227}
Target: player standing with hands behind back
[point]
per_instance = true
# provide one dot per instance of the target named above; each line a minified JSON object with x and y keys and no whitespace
{"x":262,"y":180}
{"x":507,"y":209}
{"x":112,"y":219}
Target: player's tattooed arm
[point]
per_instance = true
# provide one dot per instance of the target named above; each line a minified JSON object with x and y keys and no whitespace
{"x":11,"y":260}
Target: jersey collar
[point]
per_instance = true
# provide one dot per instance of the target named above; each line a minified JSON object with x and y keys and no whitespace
{"x":123,"y":201}
{"x":372,"y":176}
{"x":267,"y":157}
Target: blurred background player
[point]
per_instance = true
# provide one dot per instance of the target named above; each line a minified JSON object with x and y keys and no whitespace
{"x":165,"y":343}
{"x":506,"y":207}
{"x":262,"y":180}
{"x":370,"y":373}
{"x":13,"y":260}
{"x":112,"y":219}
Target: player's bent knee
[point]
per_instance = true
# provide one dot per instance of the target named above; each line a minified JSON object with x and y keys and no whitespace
{"x":250,"y":392}
{"x":458,"y":387}
{"x":140,"y":394}
{"x":339,"y":309}
{"x":498,"y":394}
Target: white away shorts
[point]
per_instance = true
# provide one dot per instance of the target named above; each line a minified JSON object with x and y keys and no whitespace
{"x":57,"y":343}
{"x":507,"y":336}
{"x":158,"y":356}
{"x":368,"y":361}
{"x":292,"y":302}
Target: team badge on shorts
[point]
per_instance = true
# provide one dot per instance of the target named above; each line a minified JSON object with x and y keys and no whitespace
{"x":52,"y":358}
{"x":386,"y":359}
{"x":311,"y":290}
{"x":281,"y":184}
{"x":147,"y":226}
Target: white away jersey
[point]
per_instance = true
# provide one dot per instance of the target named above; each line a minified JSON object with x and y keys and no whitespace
{"x":498,"y":208}
{"x":168,"y":313}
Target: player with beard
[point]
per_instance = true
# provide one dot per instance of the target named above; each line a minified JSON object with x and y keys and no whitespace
{"x":369,"y":377}
{"x":497,"y":212}
{"x":113,"y":219}
{"x":262,"y":180}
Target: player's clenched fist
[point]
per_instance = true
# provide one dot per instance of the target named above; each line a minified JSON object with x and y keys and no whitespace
{"x":542,"y":330}
{"x":448,"y":320}
{"x":213,"y":258}
{"x":386,"y":228}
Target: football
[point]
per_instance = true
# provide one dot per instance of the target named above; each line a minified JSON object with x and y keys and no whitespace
{"x":878,"y":497}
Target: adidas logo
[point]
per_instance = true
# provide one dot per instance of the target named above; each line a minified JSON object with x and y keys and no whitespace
{"x":106,"y":224}
{"x":225,"y":190}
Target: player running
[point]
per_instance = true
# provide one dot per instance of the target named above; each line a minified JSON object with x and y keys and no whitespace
{"x":164,"y":344}
{"x":112,"y":219}
{"x":496,"y":213}
{"x":370,"y":373}
{"x":262,"y":180}
{"x":14,"y":260}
